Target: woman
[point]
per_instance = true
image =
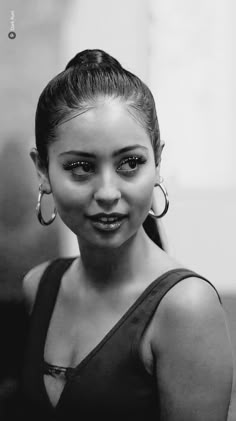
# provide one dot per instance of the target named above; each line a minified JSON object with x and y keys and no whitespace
{"x":122,"y":331}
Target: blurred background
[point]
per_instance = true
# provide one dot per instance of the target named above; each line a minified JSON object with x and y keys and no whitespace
{"x":185,"y":51}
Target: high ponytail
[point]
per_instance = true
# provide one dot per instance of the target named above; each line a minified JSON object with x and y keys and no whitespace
{"x":93,"y":59}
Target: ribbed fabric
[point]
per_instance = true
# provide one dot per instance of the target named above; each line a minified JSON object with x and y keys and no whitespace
{"x":110,"y":383}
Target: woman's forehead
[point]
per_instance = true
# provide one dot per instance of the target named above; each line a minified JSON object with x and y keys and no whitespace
{"x":106,"y":124}
{"x":102,"y":110}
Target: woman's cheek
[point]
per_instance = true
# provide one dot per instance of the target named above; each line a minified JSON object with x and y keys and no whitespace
{"x":69,"y":198}
{"x":141,"y":194}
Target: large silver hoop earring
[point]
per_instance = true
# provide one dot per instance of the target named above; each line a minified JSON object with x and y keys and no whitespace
{"x":39,"y":212}
{"x":163,"y":189}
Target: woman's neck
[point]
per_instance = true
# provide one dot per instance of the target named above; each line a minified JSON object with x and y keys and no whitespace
{"x":105,"y":267}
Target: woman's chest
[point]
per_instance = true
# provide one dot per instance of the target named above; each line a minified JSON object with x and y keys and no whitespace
{"x":70,"y":339}
{"x":73,"y":336}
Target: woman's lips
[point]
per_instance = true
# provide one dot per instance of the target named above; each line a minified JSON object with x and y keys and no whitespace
{"x":109,"y":222}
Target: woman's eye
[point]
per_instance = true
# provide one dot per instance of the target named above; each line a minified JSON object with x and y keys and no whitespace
{"x":131,"y":164}
{"x":80,"y":168}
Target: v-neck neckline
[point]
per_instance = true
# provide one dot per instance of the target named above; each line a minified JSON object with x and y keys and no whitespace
{"x":102,"y":342}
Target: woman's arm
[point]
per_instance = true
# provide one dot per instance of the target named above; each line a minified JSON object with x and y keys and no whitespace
{"x":193,"y":354}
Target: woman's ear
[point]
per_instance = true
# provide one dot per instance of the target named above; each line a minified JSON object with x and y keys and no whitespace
{"x":162,"y":145}
{"x":42,"y":170}
{"x":157,"y":175}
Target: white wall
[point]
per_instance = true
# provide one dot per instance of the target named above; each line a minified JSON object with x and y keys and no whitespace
{"x":191,"y":76}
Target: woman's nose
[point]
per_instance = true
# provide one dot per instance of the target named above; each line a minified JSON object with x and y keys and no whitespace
{"x":107,"y":193}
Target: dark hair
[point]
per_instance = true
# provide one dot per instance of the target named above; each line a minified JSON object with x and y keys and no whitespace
{"x":88,"y":76}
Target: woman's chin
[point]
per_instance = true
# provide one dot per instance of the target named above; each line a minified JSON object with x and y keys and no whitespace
{"x":105,"y":240}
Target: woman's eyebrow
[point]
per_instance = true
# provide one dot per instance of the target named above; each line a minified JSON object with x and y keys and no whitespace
{"x":129,"y":148}
{"x":79,"y":153}
{"x":92,"y":155}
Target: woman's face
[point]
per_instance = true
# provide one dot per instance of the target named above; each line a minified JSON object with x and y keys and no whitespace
{"x":102,"y":174}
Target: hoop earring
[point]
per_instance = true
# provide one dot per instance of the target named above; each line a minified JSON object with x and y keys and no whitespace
{"x":163,"y":189}
{"x":39,"y":212}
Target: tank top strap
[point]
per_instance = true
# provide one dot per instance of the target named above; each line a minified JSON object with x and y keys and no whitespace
{"x":46,"y":296}
{"x":156,"y":291}
{"x":48,"y":287}
{"x":38,"y":325}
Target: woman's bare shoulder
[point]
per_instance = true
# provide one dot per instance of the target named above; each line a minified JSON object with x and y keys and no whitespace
{"x":191,"y":294}
{"x":30,"y":284}
{"x":192,"y":299}
{"x":192,"y":347}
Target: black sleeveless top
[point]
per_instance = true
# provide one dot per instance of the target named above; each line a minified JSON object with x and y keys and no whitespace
{"x":110,"y":383}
